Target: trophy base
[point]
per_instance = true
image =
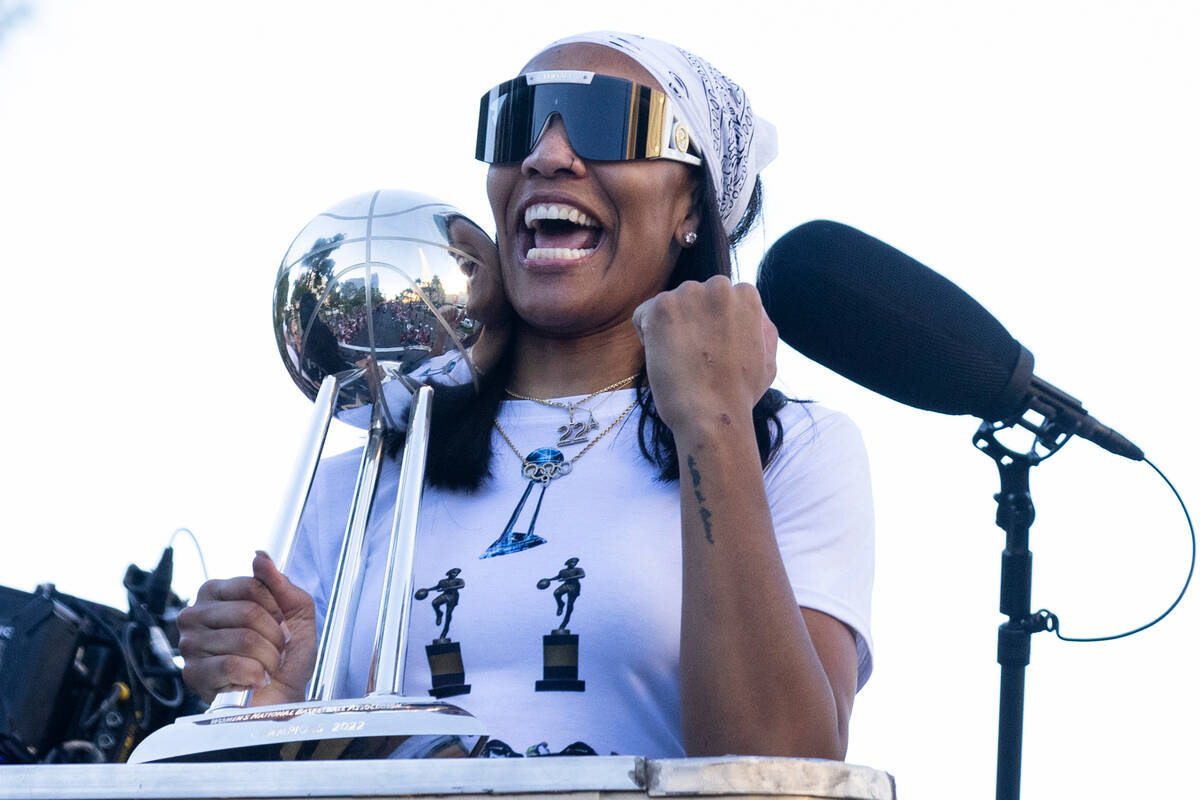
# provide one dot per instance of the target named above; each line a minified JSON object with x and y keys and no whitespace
{"x":446,"y":668}
{"x":381,"y":726}
{"x":560,"y":663}
{"x":558,"y":686}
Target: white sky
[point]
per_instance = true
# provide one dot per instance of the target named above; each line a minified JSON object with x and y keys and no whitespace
{"x":157,"y":158}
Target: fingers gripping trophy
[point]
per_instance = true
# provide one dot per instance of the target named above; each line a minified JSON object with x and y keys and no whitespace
{"x":369,"y":310}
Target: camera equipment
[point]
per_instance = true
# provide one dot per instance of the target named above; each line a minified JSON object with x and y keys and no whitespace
{"x":82,"y":682}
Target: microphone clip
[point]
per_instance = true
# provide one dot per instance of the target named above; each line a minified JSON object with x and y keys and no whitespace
{"x":1050,"y":414}
{"x":1049,"y":436}
{"x":1047,"y":412}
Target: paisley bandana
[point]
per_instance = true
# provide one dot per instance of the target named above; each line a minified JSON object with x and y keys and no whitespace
{"x":736,"y":144}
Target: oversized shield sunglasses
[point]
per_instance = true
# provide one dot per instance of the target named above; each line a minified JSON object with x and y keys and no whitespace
{"x":606,"y":118}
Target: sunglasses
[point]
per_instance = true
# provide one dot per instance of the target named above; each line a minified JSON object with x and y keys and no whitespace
{"x":606,"y":118}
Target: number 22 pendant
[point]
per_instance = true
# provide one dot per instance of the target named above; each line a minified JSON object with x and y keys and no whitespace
{"x":576,"y":432}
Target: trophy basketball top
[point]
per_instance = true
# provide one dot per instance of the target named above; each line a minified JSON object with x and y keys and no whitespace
{"x":374,"y":291}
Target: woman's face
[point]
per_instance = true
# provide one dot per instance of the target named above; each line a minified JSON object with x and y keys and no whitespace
{"x":565,"y":278}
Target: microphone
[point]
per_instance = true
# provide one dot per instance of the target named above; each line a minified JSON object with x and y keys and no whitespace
{"x":887,"y":322}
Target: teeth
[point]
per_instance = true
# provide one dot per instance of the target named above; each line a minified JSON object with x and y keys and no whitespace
{"x":557,"y":254}
{"x":540,"y":211}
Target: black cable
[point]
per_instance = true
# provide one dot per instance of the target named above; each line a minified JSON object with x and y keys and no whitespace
{"x":131,"y":660}
{"x":1051,"y":620}
{"x":13,"y":750}
{"x":94,"y":754}
{"x":137,"y":685}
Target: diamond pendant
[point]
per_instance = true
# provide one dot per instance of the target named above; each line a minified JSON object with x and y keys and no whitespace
{"x":541,"y":466}
{"x":545,"y":464}
{"x":576,"y":432}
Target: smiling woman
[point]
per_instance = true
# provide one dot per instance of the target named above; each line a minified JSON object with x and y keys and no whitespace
{"x":713,"y":558}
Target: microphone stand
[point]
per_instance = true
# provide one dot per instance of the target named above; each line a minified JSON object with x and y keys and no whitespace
{"x":1014,"y":514}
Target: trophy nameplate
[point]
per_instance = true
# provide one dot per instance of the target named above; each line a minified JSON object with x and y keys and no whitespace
{"x":380,"y":726}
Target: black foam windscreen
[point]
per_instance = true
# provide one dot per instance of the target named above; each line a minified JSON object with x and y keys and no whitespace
{"x":873,"y":314}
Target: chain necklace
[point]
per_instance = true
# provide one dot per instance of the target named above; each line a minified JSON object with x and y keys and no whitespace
{"x":571,"y":406}
{"x":546,"y":463}
{"x":539,"y":467}
{"x":574,"y":432}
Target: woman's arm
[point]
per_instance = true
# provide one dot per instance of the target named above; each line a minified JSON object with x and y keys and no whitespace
{"x":758,"y":674}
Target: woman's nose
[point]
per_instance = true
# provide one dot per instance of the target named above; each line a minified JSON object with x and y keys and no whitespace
{"x":552,"y":153}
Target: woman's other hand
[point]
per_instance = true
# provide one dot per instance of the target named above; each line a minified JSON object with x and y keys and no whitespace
{"x":254,"y":632}
{"x":710,"y":352}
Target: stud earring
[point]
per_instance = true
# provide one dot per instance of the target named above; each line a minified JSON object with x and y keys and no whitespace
{"x":689,"y":238}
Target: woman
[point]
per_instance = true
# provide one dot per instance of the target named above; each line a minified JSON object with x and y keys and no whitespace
{"x":614,"y":259}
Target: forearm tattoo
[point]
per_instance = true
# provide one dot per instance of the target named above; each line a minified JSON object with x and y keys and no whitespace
{"x":705,"y":514}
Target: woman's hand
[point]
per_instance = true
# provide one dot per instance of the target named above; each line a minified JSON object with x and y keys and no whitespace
{"x":710,"y":352}
{"x":250,"y":633}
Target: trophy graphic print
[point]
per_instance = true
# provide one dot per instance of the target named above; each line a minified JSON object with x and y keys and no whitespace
{"x":445,"y":656}
{"x":560,"y":648}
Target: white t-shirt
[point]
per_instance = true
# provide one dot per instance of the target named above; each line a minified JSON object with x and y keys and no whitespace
{"x":623,"y":525}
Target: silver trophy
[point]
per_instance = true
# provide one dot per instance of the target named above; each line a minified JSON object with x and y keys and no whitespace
{"x":369,"y":310}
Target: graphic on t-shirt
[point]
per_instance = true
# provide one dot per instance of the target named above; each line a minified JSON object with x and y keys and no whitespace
{"x":540,"y":467}
{"x":445,"y":656}
{"x":446,"y":601}
{"x":560,"y":648}
{"x":569,"y":576}
{"x":496,"y":748}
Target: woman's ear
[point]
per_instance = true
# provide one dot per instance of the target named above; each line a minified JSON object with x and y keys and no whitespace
{"x":689,"y":227}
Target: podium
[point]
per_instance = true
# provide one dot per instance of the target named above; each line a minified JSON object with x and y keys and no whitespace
{"x":542,"y":778}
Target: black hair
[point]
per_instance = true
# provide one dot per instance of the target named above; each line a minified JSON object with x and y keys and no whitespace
{"x":709,"y":256}
{"x":460,"y":446}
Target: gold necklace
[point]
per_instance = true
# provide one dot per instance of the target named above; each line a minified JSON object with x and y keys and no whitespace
{"x":574,"y":432}
{"x":570,"y":407}
{"x":547,"y":463}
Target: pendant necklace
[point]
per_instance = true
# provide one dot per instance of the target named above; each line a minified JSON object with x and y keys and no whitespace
{"x":540,"y":467}
{"x":575,"y":432}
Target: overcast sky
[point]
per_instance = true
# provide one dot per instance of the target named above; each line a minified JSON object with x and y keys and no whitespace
{"x":157,"y":158}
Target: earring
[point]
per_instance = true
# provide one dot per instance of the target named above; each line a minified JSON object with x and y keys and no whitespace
{"x":689,"y":238}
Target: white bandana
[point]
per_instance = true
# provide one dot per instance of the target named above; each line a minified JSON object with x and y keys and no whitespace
{"x":736,"y":145}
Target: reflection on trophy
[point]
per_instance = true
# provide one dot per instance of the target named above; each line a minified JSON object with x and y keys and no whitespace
{"x":369,"y":310}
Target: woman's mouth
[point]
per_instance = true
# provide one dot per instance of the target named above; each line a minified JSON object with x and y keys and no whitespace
{"x":559,"y":232}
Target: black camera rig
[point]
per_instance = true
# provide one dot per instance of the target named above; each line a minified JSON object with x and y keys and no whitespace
{"x":82,"y":682}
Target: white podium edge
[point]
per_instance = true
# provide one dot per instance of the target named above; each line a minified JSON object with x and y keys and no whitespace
{"x":266,"y":779}
{"x":759,"y":777}
{"x":764,"y":776}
